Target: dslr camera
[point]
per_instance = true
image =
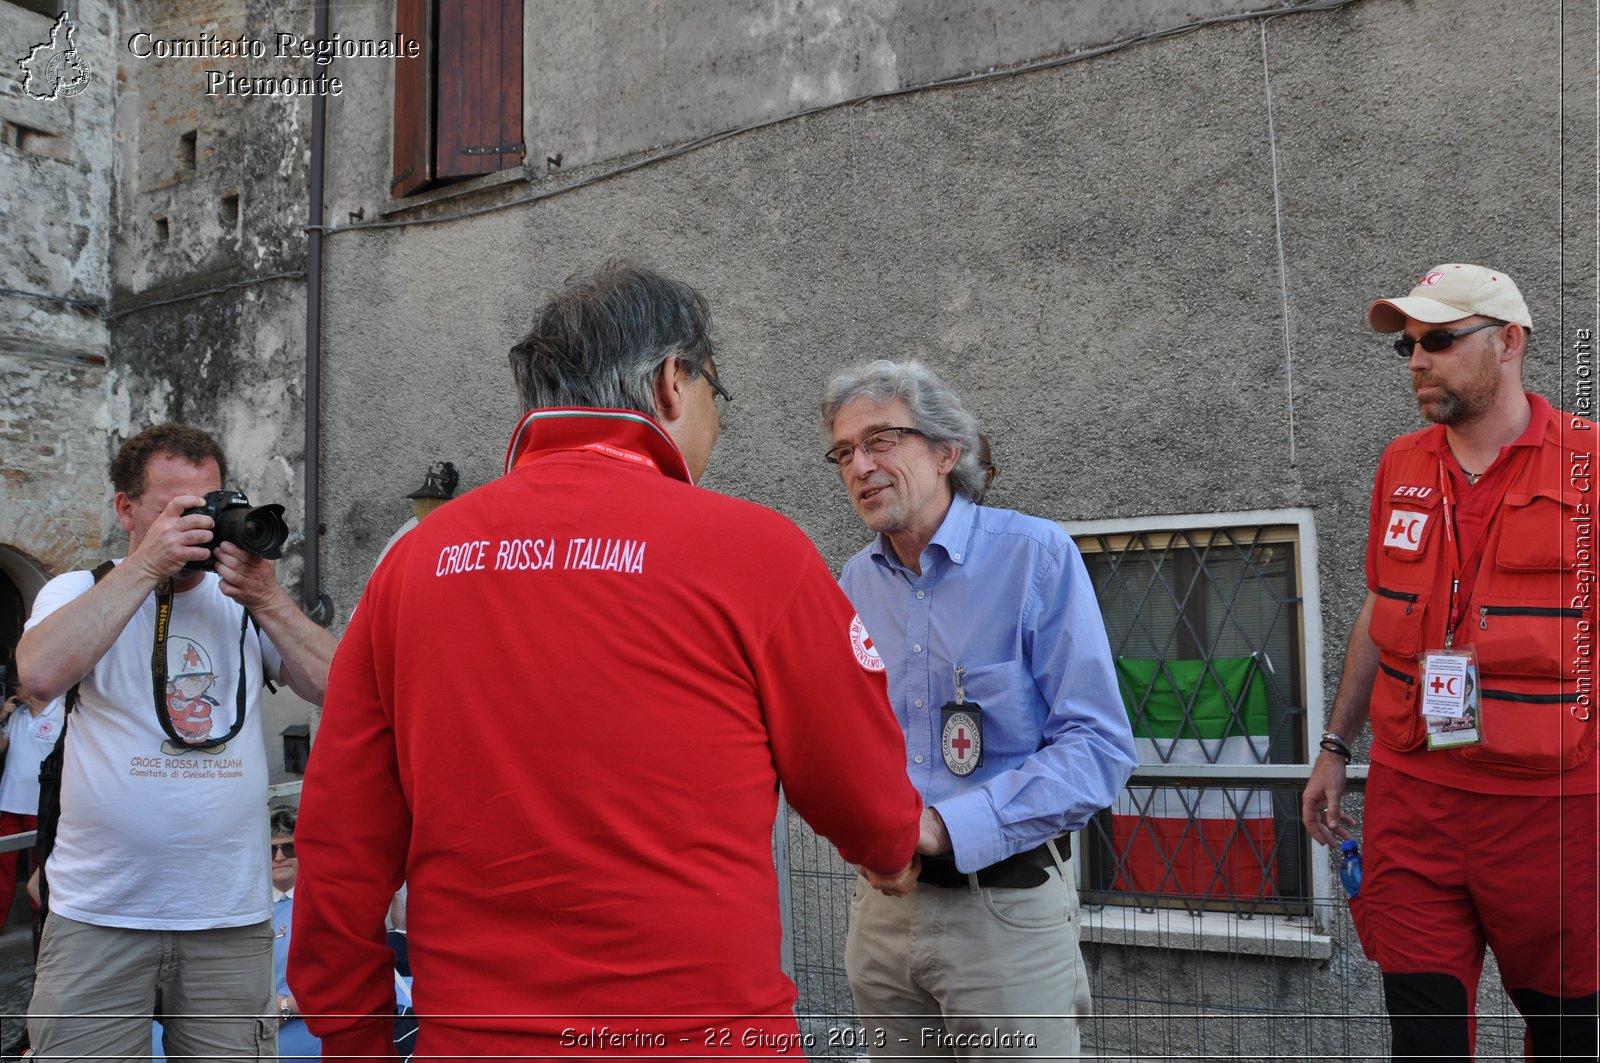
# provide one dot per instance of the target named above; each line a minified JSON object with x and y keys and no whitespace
{"x":258,"y":529}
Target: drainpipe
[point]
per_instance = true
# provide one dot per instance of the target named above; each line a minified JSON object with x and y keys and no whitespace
{"x":317,"y":605}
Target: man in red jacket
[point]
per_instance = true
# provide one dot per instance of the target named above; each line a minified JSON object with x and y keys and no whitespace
{"x":1473,"y":657}
{"x":562,"y":713}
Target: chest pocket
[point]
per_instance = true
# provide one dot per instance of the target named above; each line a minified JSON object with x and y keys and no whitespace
{"x":1405,"y":577}
{"x":1529,"y":627}
{"x":1528,"y":617}
{"x":1008,"y":694}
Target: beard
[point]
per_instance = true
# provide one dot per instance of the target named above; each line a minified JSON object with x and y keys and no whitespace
{"x":1449,"y":408}
{"x":1468,"y":400}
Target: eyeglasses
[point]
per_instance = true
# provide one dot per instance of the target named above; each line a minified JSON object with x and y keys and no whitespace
{"x":716,"y":385}
{"x":884,"y":439}
{"x":1438,"y":340}
{"x":286,"y":848}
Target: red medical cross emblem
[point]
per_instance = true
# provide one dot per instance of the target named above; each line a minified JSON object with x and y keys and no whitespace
{"x":1398,"y":528}
{"x":1437,"y":685}
{"x":961,"y":743}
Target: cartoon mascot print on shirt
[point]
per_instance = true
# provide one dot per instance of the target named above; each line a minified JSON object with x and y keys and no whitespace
{"x":189,"y":677}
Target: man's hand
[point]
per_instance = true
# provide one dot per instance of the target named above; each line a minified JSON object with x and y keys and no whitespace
{"x":934,"y":839}
{"x":1324,"y":820}
{"x":173,"y":540}
{"x":305,"y":650}
{"x":895,"y":885}
{"x":249,"y":580}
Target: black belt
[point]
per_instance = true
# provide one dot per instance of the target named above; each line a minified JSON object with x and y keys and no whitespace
{"x":1021,"y":872}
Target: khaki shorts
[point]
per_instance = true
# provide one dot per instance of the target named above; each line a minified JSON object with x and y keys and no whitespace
{"x":96,"y":989}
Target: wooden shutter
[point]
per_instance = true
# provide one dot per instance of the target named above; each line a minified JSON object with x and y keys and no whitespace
{"x":413,"y":100}
{"x":479,"y":101}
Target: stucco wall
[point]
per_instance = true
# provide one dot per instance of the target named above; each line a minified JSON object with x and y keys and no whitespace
{"x":1089,"y":251}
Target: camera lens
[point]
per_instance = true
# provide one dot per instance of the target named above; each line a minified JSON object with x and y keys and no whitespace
{"x":261,"y":530}
{"x":264,"y":532}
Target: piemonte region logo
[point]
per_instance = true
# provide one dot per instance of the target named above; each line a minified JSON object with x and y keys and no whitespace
{"x":54,"y":69}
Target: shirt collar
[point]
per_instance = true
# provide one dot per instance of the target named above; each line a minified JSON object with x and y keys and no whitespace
{"x":625,"y":435}
{"x":278,"y":895}
{"x":954,"y":535}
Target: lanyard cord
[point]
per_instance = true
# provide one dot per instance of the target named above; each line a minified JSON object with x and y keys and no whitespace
{"x":1457,"y":566}
{"x":158,"y":674}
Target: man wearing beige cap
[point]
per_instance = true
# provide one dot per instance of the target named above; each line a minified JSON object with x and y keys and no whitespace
{"x":1472,"y":657}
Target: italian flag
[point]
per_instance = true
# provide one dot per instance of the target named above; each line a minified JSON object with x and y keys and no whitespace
{"x":1208,"y":842}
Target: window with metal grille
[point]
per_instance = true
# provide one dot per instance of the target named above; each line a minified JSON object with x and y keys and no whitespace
{"x":458,"y":104}
{"x":1206,"y":626}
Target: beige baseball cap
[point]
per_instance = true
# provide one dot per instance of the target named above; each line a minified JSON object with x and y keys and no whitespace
{"x":1449,"y":293}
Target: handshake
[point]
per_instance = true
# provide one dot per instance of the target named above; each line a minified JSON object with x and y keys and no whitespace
{"x":933,"y":840}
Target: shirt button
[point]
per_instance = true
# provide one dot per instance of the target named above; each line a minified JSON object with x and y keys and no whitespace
{"x":921,"y":595}
{"x":956,"y":556}
{"x":917,"y":648}
{"x":919,"y":703}
{"x":919,"y":758}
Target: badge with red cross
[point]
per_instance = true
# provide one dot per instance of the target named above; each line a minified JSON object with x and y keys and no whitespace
{"x":1404,"y":530}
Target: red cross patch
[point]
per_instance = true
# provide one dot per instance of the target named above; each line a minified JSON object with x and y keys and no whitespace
{"x":861,"y":642}
{"x":1404,"y":529}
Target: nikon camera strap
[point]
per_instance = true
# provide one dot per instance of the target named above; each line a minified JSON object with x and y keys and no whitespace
{"x":158,"y":674}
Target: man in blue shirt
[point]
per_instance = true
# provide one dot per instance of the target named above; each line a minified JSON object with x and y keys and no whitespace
{"x":1001,"y":677}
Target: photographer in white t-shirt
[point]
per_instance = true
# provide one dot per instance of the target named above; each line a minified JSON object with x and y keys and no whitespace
{"x":158,"y":886}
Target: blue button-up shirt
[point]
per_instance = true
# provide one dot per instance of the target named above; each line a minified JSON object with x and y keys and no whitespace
{"x":1006,"y":597}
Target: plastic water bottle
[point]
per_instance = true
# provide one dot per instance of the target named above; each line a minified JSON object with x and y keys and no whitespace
{"x":1350,"y":868}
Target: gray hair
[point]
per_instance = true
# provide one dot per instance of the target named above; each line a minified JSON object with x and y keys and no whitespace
{"x":283,"y":821}
{"x":936,"y":411}
{"x":600,"y":340}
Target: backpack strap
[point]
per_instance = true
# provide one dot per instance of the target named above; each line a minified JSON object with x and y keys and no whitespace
{"x":50,"y":793}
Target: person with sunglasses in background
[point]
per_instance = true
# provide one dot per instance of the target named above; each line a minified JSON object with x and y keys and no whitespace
{"x":294,"y":1040}
{"x":1472,"y":657}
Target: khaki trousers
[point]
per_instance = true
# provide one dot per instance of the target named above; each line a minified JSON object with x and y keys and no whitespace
{"x":973,"y":973}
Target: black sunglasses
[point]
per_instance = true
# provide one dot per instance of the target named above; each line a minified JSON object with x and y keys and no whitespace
{"x":286,"y":848}
{"x":1437,"y":340}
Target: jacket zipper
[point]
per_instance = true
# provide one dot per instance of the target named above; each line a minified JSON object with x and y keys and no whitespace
{"x":1399,"y":596}
{"x":1396,"y":673}
{"x":1520,"y":610}
{"x":1530,"y":699}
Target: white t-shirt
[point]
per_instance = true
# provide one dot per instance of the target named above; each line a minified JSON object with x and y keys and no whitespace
{"x":31,"y":737}
{"x":152,"y":836}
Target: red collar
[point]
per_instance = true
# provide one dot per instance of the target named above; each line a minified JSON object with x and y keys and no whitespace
{"x":624,"y":435}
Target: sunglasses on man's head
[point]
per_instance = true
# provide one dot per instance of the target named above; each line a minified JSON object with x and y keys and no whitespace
{"x":1437,"y":340}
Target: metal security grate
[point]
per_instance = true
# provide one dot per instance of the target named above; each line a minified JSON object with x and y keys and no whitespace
{"x":1206,"y":630}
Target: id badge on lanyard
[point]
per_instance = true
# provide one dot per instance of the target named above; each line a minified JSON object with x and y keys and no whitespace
{"x":1450,"y":697}
{"x":961,"y":731}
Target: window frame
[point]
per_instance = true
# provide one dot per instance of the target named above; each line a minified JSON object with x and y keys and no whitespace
{"x":1309,"y":588}
{"x":457,"y":91}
